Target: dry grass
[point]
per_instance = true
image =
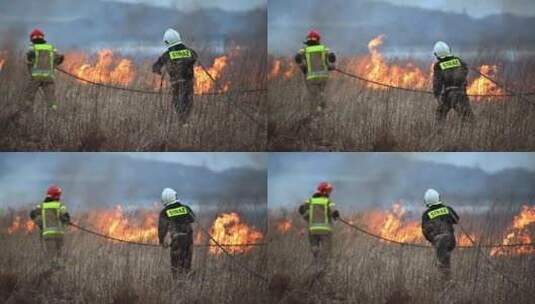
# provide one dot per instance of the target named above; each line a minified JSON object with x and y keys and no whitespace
{"x":100,"y":271}
{"x":363,"y":270}
{"x":95,"y":118}
{"x":363,"y":119}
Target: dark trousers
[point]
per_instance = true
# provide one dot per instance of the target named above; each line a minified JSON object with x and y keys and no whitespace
{"x":444,"y":245}
{"x":183,"y":97}
{"x":458,"y":100}
{"x":181,"y":252}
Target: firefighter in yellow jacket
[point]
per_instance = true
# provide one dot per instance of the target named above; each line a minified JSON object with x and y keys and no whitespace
{"x":51,"y":217}
{"x":41,"y":59}
{"x":315,"y":61}
{"x":319,"y":212}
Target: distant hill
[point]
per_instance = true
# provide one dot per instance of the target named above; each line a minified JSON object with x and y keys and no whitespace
{"x":372,"y":178}
{"x":96,"y":180}
{"x":348,"y":25}
{"x":77,"y":23}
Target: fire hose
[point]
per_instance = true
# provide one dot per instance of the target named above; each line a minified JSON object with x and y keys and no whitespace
{"x":474,"y":245}
{"x":95,"y":83}
{"x":156,"y":245}
{"x":250,"y":116}
{"x":361,"y":230}
{"x":511,"y":94}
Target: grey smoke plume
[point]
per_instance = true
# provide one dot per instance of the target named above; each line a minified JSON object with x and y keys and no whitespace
{"x":347,"y":26}
{"x":99,"y":179}
{"x":375,"y":179}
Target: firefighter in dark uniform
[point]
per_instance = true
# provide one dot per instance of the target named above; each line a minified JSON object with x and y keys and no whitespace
{"x":315,"y":61}
{"x":41,"y":59}
{"x":176,"y":219}
{"x":449,"y":84}
{"x":319,"y":212}
{"x":437,"y":228}
{"x":51,"y":217}
{"x":178,"y":61}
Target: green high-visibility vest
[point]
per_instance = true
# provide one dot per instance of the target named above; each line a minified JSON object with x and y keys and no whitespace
{"x":174,"y":55}
{"x":316,"y":62}
{"x":43,"y":65}
{"x":318,"y":215}
{"x":450,"y":64}
{"x":438,"y":212}
{"x":176,"y":211}
{"x":51,"y":218}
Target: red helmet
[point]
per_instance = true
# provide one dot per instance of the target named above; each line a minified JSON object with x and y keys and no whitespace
{"x":325,"y":188}
{"x":53,"y":192}
{"x":36,"y":34}
{"x":313,"y":35}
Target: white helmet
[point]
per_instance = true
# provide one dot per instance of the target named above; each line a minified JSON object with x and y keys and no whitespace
{"x":171,"y":38}
{"x":432,"y":197}
{"x":441,"y":50}
{"x":168,"y":196}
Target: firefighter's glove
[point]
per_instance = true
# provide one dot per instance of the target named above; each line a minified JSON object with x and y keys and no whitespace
{"x":336,"y":214}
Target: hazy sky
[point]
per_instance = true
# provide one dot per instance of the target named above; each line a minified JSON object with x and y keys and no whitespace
{"x":490,"y":162}
{"x":188,"y":5}
{"x":476,"y":8}
{"x":214,"y":160}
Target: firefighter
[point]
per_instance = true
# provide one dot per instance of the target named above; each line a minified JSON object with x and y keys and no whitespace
{"x":176,"y":219}
{"x":51,"y":217}
{"x":178,"y":61}
{"x":449,"y":84}
{"x":41,"y":59}
{"x":315,"y":61}
{"x":437,"y":228}
{"x":319,"y":212}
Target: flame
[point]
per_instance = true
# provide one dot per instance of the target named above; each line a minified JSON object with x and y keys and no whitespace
{"x":108,"y":68}
{"x":203,"y":83}
{"x":115,"y":223}
{"x":228,"y":228}
{"x":283,"y":68}
{"x":518,"y":233}
{"x":394,"y":225}
{"x":482,"y":85}
{"x":374,"y":67}
{"x":19,"y":225}
{"x":284,"y":225}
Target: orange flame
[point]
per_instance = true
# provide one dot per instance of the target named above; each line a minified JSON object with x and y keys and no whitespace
{"x":283,"y":68}
{"x":228,"y":228}
{"x":115,"y":223}
{"x":482,"y":85}
{"x":20,"y":225}
{"x":107,"y":69}
{"x":284,"y":225}
{"x":518,"y":233}
{"x":203,"y":83}
{"x":394,"y":225}
{"x":374,"y":67}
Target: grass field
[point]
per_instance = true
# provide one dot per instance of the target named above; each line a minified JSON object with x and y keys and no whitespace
{"x":100,"y":271}
{"x":94,"y":118}
{"x":365,"y":270}
{"x":365,"y":119}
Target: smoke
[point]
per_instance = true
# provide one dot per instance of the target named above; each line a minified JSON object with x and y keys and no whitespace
{"x":94,"y":180}
{"x":348,"y":25}
{"x":376,"y":179}
{"x":83,"y":24}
